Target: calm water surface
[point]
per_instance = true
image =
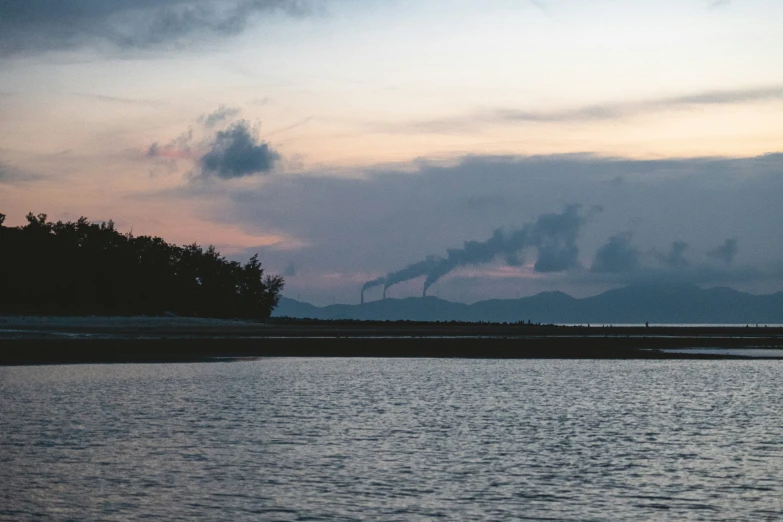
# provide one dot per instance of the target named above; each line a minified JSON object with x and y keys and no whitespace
{"x":393,"y":439}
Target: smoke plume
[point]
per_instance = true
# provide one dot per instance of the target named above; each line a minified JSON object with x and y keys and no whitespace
{"x":553,"y":235}
{"x":478,"y":252}
{"x":411,"y":271}
{"x":378,"y":281}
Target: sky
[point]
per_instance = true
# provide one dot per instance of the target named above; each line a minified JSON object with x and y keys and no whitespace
{"x":491,"y":149}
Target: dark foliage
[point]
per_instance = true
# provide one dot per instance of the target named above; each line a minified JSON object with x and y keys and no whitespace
{"x":84,"y":268}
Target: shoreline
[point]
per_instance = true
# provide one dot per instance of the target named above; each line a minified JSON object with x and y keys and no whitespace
{"x":25,"y":341}
{"x":83,"y":351}
{"x":75,"y":340}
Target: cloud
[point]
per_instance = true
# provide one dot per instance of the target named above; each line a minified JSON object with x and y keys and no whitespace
{"x":599,"y":112}
{"x":236,"y":152}
{"x":555,"y":236}
{"x":232,"y":151}
{"x":33,"y":26}
{"x":616,"y":256}
{"x":675,"y":257}
{"x":120,"y":100}
{"x":179,"y":147}
{"x":484,"y":203}
{"x":695,"y":273}
{"x":538,"y":4}
{"x":290,"y":269}
{"x":372,"y":221}
{"x":13,"y":176}
{"x":726,"y":251}
{"x":219,"y":115}
{"x":622,"y":262}
{"x":154,"y":150}
{"x":296,"y":124}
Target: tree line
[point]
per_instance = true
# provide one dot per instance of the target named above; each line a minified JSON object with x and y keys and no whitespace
{"x":86,"y":268}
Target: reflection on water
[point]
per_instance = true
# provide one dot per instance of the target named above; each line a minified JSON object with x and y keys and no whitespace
{"x":742,"y":352}
{"x":295,"y":439}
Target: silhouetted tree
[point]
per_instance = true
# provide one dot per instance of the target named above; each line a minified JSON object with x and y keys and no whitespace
{"x":91,"y":268}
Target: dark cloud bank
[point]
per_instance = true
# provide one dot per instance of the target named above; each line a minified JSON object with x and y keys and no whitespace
{"x":710,"y":221}
{"x":31,"y":26}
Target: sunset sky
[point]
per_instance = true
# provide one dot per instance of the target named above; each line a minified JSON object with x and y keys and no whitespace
{"x":344,"y":140}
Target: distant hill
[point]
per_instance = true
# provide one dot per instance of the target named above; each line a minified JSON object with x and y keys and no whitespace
{"x":634,"y":304}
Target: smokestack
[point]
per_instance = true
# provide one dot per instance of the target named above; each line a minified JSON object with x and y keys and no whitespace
{"x":362,"y":299}
{"x":384,"y":293}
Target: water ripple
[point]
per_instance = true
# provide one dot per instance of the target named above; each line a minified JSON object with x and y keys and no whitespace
{"x":392,"y":439}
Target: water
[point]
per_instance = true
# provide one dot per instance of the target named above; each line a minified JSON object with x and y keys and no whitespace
{"x":742,"y":352}
{"x":393,"y":439}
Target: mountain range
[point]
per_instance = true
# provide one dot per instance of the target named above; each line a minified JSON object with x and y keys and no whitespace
{"x":661,"y":304}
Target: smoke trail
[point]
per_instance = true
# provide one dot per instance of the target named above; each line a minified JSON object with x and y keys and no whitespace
{"x":411,"y":272}
{"x":378,"y":281}
{"x":477,"y":252}
{"x":553,"y":235}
